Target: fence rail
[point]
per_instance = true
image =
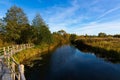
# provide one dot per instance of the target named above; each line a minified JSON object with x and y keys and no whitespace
{"x":16,"y":70}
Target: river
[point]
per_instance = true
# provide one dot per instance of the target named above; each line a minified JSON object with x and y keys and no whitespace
{"x":68,"y":63}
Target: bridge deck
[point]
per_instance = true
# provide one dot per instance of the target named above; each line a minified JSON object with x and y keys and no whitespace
{"x":5,"y":73}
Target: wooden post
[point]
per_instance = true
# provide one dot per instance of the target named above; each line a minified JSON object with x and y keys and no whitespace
{"x":29,"y":45}
{"x":8,"y":56}
{"x":21,"y":70}
{"x":21,"y":47}
{"x":13,"y":68}
{"x":2,"y":69}
{"x":19,"y":76}
{"x":10,"y":52}
{"x":4,"y":51}
{"x":8,"y":49}
{"x":24,"y":46}
{"x":13,"y":50}
{"x":17,"y":47}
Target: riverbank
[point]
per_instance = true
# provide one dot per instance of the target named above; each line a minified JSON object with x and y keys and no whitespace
{"x":108,"y":48}
{"x":29,"y":53}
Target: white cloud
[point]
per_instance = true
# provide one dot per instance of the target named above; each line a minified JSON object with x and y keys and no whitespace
{"x":66,"y":18}
{"x":4,"y":5}
{"x":2,"y":13}
{"x":95,"y":2}
{"x":93,"y":29}
{"x":59,"y":17}
{"x":5,"y":2}
{"x":57,"y":27}
{"x":62,"y":13}
{"x":108,"y":12}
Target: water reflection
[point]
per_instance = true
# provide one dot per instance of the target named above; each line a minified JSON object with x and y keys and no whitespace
{"x":68,"y":63}
{"x":108,"y":55}
{"x":59,"y":59}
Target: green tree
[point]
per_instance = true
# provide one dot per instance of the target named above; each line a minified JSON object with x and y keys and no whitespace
{"x":101,"y":34}
{"x":117,"y":35}
{"x":16,"y":22}
{"x":1,"y":30}
{"x":27,"y":34}
{"x":2,"y":26}
{"x":38,"y":21}
{"x":72,"y":37}
{"x":61,"y":32}
{"x":45,"y":34}
{"x":42,"y":33}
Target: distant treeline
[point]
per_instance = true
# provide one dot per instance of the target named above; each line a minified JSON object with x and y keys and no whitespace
{"x":101,"y":34}
{"x":16,"y":29}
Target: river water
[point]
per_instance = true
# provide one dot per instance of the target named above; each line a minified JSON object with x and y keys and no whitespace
{"x":68,"y":63}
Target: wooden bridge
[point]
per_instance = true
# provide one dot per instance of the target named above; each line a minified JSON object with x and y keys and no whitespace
{"x":9,"y":68}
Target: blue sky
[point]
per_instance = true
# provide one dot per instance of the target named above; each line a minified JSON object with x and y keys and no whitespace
{"x":74,"y":16}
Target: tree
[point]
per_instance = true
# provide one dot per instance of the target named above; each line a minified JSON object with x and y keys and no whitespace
{"x":27,"y":35}
{"x":117,"y":35}
{"x":72,"y":37}
{"x":17,"y":15}
{"x":2,"y":26}
{"x":61,"y":32}
{"x":1,"y":30}
{"x":16,"y":21}
{"x":43,"y":33}
{"x":86,"y":35}
{"x":38,"y":21}
{"x":101,"y":34}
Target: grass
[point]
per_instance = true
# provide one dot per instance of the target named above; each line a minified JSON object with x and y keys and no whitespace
{"x":4,"y":44}
{"x":20,"y":57}
{"x":105,"y":43}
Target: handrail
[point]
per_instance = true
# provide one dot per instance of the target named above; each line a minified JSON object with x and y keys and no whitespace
{"x":6,"y":54}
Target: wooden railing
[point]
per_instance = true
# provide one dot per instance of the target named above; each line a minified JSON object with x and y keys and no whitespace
{"x":6,"y":59}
